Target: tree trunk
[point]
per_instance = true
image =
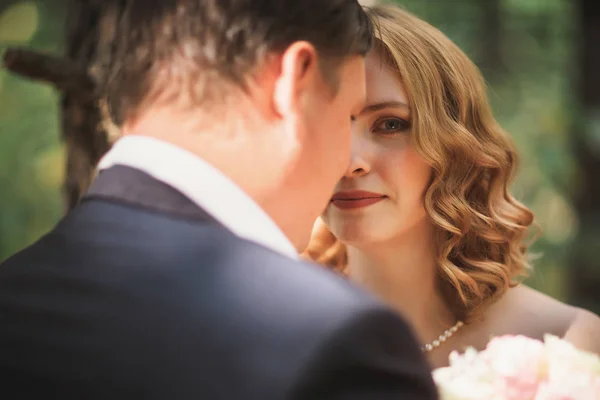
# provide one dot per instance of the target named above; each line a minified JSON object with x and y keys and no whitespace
{"x":491,"y":60}
{"x":79,"y":76}
{"x":85,"y":126}
{"x":584,"y":273}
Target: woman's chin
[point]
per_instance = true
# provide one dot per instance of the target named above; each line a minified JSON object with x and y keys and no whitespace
{"x":359,"y":237}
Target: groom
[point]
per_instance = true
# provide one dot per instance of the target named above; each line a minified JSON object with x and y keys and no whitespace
{"x":177,"y":276}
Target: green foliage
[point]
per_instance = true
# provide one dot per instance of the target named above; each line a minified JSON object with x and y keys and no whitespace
{"x":19,"y":22}
{"x":31,"y":155}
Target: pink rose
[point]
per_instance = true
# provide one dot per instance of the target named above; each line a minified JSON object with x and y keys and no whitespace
{"x":520,"y":368}
{"x":519,"y":364}
{"x":575,"y":386}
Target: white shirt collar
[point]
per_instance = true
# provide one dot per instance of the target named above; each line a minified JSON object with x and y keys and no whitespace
{"x":203,"y":184}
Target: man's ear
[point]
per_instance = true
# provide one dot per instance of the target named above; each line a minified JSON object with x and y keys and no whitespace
{"x":299,"y":70}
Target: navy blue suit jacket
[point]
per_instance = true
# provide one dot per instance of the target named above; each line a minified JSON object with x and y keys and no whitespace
{"x":139,"y":294}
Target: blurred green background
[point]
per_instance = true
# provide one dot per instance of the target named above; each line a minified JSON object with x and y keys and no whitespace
{"x":31,"y":155}
{"x":526,"y":49}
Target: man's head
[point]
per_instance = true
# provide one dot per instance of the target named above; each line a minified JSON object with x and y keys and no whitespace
{"x":262,"y":89}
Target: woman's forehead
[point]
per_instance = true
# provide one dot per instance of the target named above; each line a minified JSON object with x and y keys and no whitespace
{"x":383,"y":81}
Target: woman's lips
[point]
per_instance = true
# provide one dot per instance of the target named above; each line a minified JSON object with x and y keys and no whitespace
{"x":355,"y":199}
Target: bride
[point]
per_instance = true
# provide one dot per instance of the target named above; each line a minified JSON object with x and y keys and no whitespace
{"x":423,"y":216}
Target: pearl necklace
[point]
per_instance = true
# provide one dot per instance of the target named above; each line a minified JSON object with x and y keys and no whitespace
{"x":442,"y":338}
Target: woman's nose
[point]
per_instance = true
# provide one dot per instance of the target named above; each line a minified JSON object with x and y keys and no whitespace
{"x":359,"y":166}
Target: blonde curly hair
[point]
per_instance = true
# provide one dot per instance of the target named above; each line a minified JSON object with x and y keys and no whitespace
{"x":479,"y":225}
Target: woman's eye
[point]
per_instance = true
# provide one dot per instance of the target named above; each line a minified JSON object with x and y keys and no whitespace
{"x":391,"y":125}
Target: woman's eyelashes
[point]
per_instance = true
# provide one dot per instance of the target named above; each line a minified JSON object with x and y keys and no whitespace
{"x":390,"y":125}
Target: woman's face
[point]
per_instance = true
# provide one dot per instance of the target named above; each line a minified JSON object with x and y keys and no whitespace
{"x":380,"y":197}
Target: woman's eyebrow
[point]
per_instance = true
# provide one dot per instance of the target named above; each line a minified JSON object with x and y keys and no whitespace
{"x":384,"y":104}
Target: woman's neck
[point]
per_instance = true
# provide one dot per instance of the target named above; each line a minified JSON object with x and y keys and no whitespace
{"x":403,"y":273}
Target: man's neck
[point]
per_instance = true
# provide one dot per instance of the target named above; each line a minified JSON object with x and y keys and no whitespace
{"x":251,"y":153}
{"x":224,"y":145}
{"x":205,"y":184}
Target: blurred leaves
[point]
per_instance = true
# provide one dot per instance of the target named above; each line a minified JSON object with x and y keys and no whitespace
{"x":31,"y":155}
{"x":592,"y":129}
{"x":534,"y":6}
{"x":19,"y":22}
{"x":30,"y":202}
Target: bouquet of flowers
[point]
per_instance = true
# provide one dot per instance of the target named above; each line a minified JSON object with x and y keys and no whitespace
{"x":520,"y":368}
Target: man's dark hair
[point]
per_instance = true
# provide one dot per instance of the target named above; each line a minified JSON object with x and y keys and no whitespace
{"x":197,"y":45}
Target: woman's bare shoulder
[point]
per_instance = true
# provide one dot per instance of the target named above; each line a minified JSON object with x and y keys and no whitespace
{"x":530,"y":309}
{"x":526,"y":311}
{"x":584,"y":331}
